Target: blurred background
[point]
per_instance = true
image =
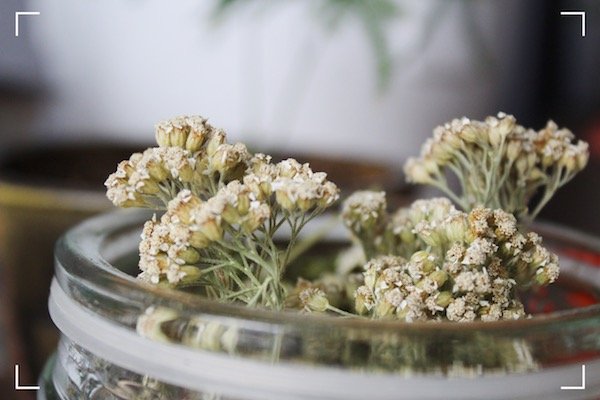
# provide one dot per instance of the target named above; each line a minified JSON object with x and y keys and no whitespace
{"x":354,"y":84}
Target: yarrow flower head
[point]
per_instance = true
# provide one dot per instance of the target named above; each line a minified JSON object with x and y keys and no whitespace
{"x":223,"y":206}
{"x":166,"y":252}
{"x":146,"y":178}
{"x":407,"y":290}
{"x":364,"y":211}
{"x":499,"y":164}
{"x":461,"y":266}
{"x":186,"y":132}
{"x":297,"y":187}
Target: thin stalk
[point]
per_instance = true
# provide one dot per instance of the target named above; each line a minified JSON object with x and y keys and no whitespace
{"x":548,"y":193}
{"x":342,"y":312}
{"x":444,"y":188}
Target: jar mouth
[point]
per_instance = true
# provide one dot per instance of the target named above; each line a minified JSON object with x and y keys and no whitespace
{"x":129,"y":354}
{"x":102,"y":309}
{"x":87,"y":253}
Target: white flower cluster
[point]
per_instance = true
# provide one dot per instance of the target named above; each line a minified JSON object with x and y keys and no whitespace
{"x":365,"y":214}
{"x":424,"y":220}
{"x":187,"y":132}
{"x":191,"y":224}
{"x":192,"y":155}
{"x":298,"y":188}
{"x":214,"y":192}
{"x":147,"y":176}
{"x":462,"y":266}
{"x":162,"y":253}
{"x":407,"y":290}
{"x":499,"y":163}
{"x":364,"y":211}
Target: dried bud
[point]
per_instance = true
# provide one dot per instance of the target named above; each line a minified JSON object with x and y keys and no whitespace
{"x":182,"y":206}
{"x":416,"y":172}
{"x":149,"y":325}
{"x":568,"y":161}
{"x":330,"y":193}
{"x":424,"y":260}
{"x":443,"y":299}
{"x":439,"y":277}
{"x":188,"y":256}
{"x":199,"y":240}
{"x":470,"y":134}
{"x":456,"y":227}
{"x":499,"y":128}
{"x":547,"y":275}
{"x":314,"y":299}
{"x":229,"y":159}
{"x":582,"y":155}
{"x":364,"y":211}
{"x":364,"y":301}
{"x":218,"y":138}
{"x":199,"y":132}
{"x":513,"y":150}
{"x":192,"y":274}
{"x":256,"y":217}
{"x":285,"y":200}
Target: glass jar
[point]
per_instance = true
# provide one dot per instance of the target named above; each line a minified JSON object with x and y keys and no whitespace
{"x":202,"y":349}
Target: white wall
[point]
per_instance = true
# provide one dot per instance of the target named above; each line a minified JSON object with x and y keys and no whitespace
{"x":273,"y":77}
{"x":17,"y":61}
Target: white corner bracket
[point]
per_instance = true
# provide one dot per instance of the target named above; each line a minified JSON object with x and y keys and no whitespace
{"x":18,"y":14}
{"x":18,"y":385}
{"x":582,"y":387}
{"x":576,"y":13}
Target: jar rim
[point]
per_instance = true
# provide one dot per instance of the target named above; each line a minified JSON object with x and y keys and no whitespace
{"x":79,"y":255}
{"x":258,"y":380}
{"x":98,"y":308}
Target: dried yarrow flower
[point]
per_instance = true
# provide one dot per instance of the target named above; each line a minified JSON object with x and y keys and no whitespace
{"x":462,"y":266}
{"x":397,"y":288}
{"x":428,"y":261}
{"x":223,"y":208}
{"x":400,"y":289}
{"x":151,"y":178}
{"x":330,"y":293}
{"x":364,"y":211}
{"x":298,"y":188}
{"x":498,"y":163}
{"x":187,"y":132}
{"x":365,"y":214}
